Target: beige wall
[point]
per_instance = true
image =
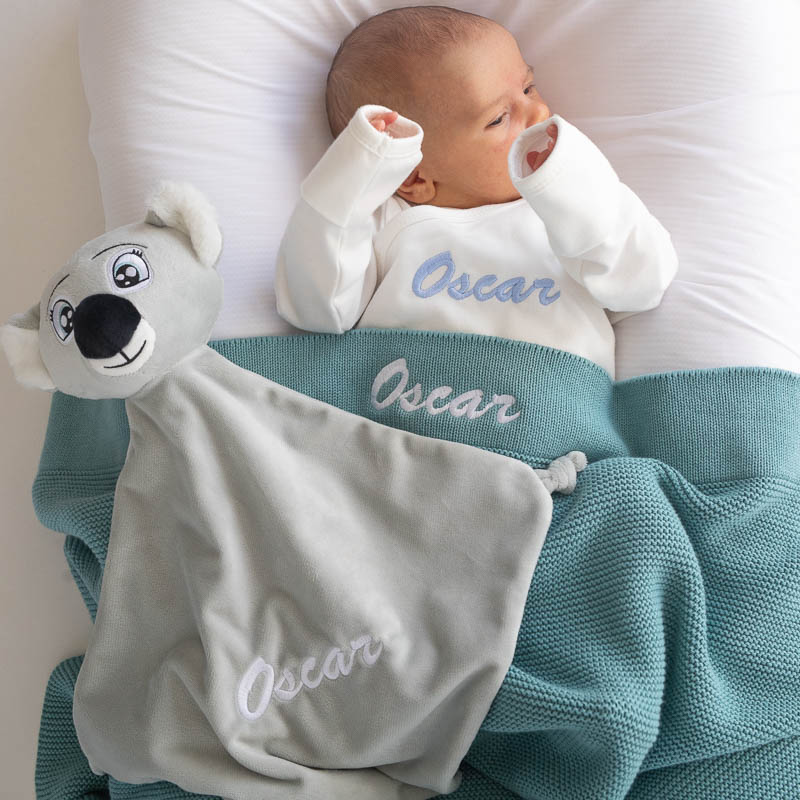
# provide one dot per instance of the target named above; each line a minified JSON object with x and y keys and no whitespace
{"x":49,"y":204}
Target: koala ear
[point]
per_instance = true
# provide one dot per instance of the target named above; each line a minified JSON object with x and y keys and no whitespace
{"x":185,"y":208}
{"x":19,"y":338}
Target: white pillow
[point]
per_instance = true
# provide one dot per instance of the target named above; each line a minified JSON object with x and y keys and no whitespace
{"x":696,"y":105}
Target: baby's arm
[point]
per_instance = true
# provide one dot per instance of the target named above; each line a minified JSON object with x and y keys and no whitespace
{"x":600,"y":230}
{"x":326,"y":272}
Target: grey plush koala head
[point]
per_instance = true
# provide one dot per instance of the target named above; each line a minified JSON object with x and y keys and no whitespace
{"x":127,"y":306}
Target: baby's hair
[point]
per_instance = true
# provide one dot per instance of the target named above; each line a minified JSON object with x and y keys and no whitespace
{"x":373,"y":62}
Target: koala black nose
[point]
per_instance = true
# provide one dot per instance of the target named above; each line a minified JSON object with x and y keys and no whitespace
{"x":104,"y":324}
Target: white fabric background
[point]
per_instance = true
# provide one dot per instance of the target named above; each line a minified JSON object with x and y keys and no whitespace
{"x":695,"y":104}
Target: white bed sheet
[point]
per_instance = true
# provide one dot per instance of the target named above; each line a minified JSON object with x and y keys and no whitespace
{"x":696,"y":105}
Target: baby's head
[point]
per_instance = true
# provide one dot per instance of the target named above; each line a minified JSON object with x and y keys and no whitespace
{"x":461,"y":77}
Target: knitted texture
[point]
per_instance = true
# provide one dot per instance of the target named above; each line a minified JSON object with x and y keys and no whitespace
{"x":659,"y":654}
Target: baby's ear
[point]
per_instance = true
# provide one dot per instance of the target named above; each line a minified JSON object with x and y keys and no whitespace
{"x":19,"y":338}
{"x":417,"y":188}
{"x":185,"y":208}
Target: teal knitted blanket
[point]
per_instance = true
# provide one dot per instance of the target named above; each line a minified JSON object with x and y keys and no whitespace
{"x":659,"y":654}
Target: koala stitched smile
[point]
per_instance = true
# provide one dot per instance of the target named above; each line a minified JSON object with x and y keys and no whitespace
{"x":142,"y":344}
{"x":128,"y":360}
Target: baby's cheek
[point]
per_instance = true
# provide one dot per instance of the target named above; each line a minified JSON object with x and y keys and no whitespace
{"x":491,"y":166}
{"x":501,"y":157}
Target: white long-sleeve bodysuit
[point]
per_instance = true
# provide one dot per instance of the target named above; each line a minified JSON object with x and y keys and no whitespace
{"x":541,"y":269}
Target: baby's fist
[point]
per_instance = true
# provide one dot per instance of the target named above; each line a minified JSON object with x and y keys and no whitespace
{"x":536,"y":158}
{"x":383,"y":120}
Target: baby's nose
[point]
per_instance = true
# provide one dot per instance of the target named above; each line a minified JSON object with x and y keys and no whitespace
{"x":539,"y":113}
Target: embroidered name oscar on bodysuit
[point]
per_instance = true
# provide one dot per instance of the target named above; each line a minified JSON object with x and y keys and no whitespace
{"x":335,"y":665}
{"x":482,"y":290}
{"x":466,"y":404}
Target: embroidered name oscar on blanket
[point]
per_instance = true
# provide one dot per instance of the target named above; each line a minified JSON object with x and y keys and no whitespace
{"x":483,"y":289}
{"x":466,"y":404}
{"x":335,"y":665}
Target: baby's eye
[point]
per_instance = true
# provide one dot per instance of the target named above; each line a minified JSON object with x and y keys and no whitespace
{"x":497,"y":121}
{"x":528,"y":88}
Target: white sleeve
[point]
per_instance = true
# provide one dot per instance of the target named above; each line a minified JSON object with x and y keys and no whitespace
{"x":325,"y":272}
{"x":600,"y":230}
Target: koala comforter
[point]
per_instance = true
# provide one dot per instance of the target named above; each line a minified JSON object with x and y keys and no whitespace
{"x":296,"y":600}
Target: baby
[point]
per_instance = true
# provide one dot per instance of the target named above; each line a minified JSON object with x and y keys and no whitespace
{"x":507,"y":221}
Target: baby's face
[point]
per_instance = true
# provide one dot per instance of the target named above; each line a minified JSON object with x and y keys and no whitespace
{"x":480,"y":100}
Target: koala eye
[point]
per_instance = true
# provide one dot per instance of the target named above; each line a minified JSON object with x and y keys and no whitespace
{"x":61,"y":315}
{"x":129,"y":270}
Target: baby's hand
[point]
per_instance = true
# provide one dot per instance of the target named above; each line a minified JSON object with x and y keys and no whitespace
{"x":382,"y":121}
{"x":535,"y":158}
